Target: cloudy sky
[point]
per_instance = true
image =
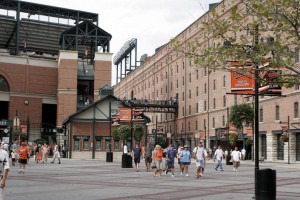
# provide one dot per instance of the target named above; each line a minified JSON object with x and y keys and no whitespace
{"x":152,"y":22}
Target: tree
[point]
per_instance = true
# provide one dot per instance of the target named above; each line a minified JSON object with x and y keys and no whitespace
{"x":138,"y":132}
{"x":115,"y":133}
{"x":253,"y":31}
{"x":241,"y":115}
{"x":124,"y":132}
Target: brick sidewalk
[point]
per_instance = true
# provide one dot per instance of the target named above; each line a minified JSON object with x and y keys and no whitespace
{"x":96,"y":179}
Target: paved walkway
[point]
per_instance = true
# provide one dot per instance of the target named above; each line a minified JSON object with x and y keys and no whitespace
{"x":97,"y":179}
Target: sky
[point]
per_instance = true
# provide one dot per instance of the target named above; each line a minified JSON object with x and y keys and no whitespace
{"x":152,"y":22}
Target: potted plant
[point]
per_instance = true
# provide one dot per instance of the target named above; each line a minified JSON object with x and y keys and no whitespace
{"x":138,"y":132}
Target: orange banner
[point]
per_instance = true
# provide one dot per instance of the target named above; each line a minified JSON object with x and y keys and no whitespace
{"x":125,"y":114}
{"x":242,"y":78}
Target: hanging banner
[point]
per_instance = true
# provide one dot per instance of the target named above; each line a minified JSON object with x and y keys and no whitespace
{"x":125,"y":114}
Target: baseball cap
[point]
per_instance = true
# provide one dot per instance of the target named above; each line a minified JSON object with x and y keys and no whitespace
{"x":171,"y":145}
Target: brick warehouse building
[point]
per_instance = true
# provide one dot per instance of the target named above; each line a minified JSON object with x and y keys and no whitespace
{"x":203,"y":99}
{"x":50,"y":70}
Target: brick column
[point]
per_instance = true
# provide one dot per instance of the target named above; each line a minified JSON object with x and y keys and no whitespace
{"x":103,"y":68}
{"x":67,"y":85}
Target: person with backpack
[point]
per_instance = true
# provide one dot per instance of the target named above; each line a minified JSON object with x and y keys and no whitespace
{"x":170,"y":158}
{"x":200,"y":155}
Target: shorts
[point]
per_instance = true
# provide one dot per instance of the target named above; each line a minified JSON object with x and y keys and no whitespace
{"x":185,"y":163}
{"x":23,"y":161}
{"x":170,"y":164}
{"x":159,"y":164}
{"x":148,"y":160}
{"x":200,"y":163}
{"x":137,"y":160}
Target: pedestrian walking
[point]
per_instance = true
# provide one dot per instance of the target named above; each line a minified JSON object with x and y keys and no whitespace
{"x":185,"y":160}
{"x":148,"y":156}
{"x":219,"y":154}
{"x":56,"y":154}
{"x":236,"y":156}
{"x":4,"y":160}
{"x":243,"y":154}
{"x":136,"y":154}
{"x":23,"y":156}
{"x":200,"y":158}
{"x":157,"y":158}
{"x":170,"y":159}
{"x":13,"y":157}
{"x":45,"y":153}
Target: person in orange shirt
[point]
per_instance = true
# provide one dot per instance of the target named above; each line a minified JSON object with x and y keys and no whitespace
{"x":157,"y":157}
{"x":24,"y":152}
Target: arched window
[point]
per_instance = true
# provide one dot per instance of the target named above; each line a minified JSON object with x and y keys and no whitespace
{"x":3,"y":85}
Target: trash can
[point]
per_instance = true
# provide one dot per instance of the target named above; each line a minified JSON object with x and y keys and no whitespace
{"x":126,"y":161}
{"x":109,"y":156}
{"x":266,"y":184}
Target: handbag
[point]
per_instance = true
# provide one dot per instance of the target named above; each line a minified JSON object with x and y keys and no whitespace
{"x":153,"y":165}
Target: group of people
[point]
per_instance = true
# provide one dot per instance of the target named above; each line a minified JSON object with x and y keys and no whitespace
{"x":154,"y":158}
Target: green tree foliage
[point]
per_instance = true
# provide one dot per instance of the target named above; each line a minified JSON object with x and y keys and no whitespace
{"x":124,"y":132}
{"x":138,"y":132}
{"x":241,"y":115}
{"x":232,"y":139}
{"x":115,"y":133}
{"x":252,"y":31}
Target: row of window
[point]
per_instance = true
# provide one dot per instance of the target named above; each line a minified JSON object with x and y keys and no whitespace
{"x":277,"y":112}
{"x":86,"y":145}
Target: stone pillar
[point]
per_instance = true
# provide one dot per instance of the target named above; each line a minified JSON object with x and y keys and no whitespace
{"x":103,"y":70}
{"x":292,"y":147}
{"x":67,"y":85}
{"x":271,"y":147}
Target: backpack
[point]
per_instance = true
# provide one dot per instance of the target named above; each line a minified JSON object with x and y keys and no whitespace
{"x":194,"y":154}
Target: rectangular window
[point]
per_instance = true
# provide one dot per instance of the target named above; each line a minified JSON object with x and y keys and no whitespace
{"x":190,"y":94}
{"x":85,"y":145}
{"x":296,"y":110}
{"x":277,"y":113}
{"x":204,"y":105}
{"x":197,"y":107}
{"x":182,"y":80}
{"x":197,"y":75}
{"x":183,"y":96}
{"x":76,"y":145}
{"x":98,"y":144}
{"x":190,"y":110}
{"x":213,"y":123}
{"x":223,"y":120}
{"x":116,"y":145}
{"x":190,"y":77}
{"x":197,"y":92}
{"x":107,"y":144}
{"x":261,"y":115}
{"x":196,"y":125}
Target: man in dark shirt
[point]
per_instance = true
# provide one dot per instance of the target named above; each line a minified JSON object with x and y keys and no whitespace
{"x":148,"y":156}
{"x":136,"y":153}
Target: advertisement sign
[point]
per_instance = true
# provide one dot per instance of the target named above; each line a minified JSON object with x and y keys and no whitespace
{"x":125,"y":114}
{"x":242,"y":78}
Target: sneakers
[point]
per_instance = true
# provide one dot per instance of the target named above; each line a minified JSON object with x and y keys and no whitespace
{"x":52,"y":162}
{"x":59,"y":163}
{"x":216,"y":169}
{"x":173,"y":175}
{"x":180,"y":173}
{"x":187,"y":175}
{"x":234,"y":169}
{"x":222,"y":170}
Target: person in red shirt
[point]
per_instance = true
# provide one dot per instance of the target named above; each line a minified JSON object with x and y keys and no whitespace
{"x":24,"y":152}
